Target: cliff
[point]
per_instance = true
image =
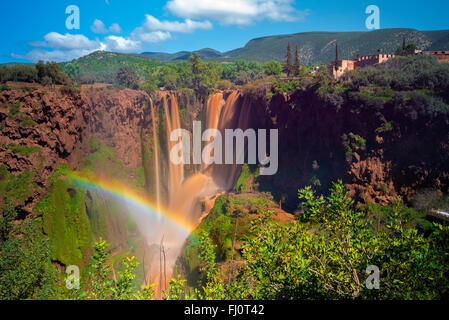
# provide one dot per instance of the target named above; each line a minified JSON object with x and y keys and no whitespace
{"x":382,"y":147}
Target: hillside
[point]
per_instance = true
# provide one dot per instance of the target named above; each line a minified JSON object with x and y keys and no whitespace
{"x":318,"y":47}
{"x":207,"y":54}
{"x":314,"y":48}
{"x":102,"y":66}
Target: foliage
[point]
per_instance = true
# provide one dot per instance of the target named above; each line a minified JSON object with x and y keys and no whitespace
{"x":272,"y":68}
{"x":149,"y":86}
{"x":99,"y":273}
{"x":65,"y":220}
{"x":201,"y":80}
{"x":326,"y":253}
{"x":102,"y":67}
{"x":323,"y":76}
{"x":207,"y":257}
{"x":26,"y":271}
{"x":406,"y":49}
{"x":287,"y":87}
{"x":51,"y":71}
{"x":124,"y":289}
{"x":127,"y":77}
{"x":224,"y":85}
{"x":45,"y":74}
{"x":100,"y":284}
{"x":244,"y":183}
{"x":178,"y":290}
{"x":404,"y":73}
{"x":23,"y":151}
{"x":205,"y":75}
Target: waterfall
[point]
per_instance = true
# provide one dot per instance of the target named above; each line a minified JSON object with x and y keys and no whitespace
{"x":214,"y":106}
{"x":185,"y":195}
{"x":156,"y":160}
{"x":176,"y":172}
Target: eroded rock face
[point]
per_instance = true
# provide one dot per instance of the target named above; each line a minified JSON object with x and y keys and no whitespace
{"x":323,"y":139}
{"x":42,"y":128}
{"x":372,"y":182}
{"x":319,"y":141}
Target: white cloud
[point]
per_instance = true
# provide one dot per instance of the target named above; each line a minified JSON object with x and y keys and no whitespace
{"x":68,"y":41}
{"x":143,"y":34}
{"x":153,"y":30}
{"x":237,"y":12}
{"x":188,"y":26}
{"x":115,"y":28}
{"x":120,"y":44}
{"x":58,"y":47}
{"x":53,"y":55}
{"x":156,"y":36}
{"x":99,"y":27}
{"x":68,"y":47}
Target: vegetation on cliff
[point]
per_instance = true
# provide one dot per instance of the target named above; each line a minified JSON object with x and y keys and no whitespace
{"x":325,"y":255}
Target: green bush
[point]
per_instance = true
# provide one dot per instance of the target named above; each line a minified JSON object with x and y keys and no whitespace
{"x":224,"y":85}
{"x":22,"y":150}
{"x":325,"y":255}
{"x":272,"y":68}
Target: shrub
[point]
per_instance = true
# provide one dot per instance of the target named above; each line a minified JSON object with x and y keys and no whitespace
{"x":14,"y":109}
{"x":69,"y":90}
{"x":272,"y":68}
{"x":286,"y":87}
{"x":224,"y":85}
{"x":127,"y":77}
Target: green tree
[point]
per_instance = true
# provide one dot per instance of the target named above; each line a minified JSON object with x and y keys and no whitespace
{"x":178,"y":290}
{"x":337,"y":56}
{"x":200,"y":71}
{"x":185,"y":79}
{"x":229,"y":71}
{"x":288,"y":66}
{"x":123,"y":288}
{"x":272,"y":68}
{"x":326,"y":253}
{"x":215,"y":71}
{"x":100,"y":284}
{"x":26,"y":271}
{"x":297,"y":64}
{"x":323,"y":76}
{"x":5,"y":74}
{"x":127,"y":77}
{"x":99,"y":273}
{"x":169,"y":77}
{"x":146,"y":292}
{"x":207,"y":257}
{"x":150,"y":86}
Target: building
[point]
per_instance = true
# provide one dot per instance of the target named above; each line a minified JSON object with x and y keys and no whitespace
{"x":358,"y":62}
{"x":342,"y":68}
{"x":442,"y":56}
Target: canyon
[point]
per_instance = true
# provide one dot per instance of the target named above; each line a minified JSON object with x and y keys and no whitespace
{"x":321,"y":139}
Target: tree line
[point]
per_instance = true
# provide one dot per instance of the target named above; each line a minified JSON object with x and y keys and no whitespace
{"x":44,"y":73}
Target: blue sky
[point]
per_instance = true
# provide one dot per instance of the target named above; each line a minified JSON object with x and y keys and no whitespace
{"x":37,"y":29}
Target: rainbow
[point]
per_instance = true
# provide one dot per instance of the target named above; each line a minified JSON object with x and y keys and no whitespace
{"x":122,"y":193}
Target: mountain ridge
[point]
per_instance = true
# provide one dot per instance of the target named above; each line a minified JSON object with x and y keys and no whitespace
{"x":318,"y":46}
